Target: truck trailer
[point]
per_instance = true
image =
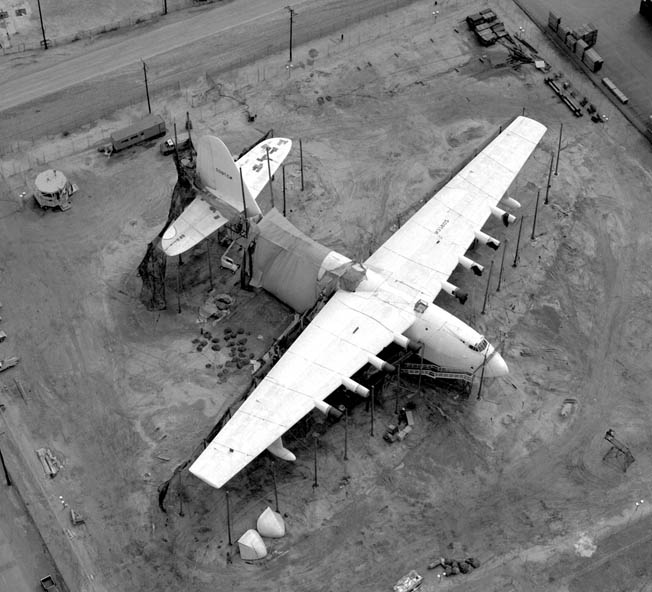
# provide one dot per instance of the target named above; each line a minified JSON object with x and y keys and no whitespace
{"x":139,"y":131}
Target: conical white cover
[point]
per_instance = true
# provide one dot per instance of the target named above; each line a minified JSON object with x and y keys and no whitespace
{"x":252,"y":546}
{"x":271,"y":524}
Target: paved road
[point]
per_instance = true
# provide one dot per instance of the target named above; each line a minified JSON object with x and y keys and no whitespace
{"x":624,"y":41}
{"x":151,"y":43}
{"x":56,"y":96}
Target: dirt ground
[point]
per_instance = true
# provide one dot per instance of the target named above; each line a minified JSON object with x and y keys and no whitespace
{"x":76,"y":19}
{"x":121,"y":396}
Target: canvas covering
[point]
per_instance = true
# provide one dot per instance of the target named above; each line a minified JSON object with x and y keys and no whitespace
{"x":287,"y":264}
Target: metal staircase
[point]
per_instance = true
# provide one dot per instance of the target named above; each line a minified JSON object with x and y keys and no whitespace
{"x":433,"y":371}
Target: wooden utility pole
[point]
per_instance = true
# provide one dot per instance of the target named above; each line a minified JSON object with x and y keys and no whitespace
{"x":283,"y":171}
{"x":484,"y":363}
{"x":274,"y":482}
{"x":552,"y":160}
{"x":269,"y":174}
{"x":373,"y":402}
{"x":292,"y":13}
{"x":315,"y":438}
{"x":301,"y":161}
{"x":210,"y":265}
{"x":149,"y":105}
{"x":536,"y":210}
{"x":518,"y":243}
{"x":44,"y":43}
{"x":228,"y":515}
{"x":486,"y":292}
{"x":502,"y":263}
{"x":4,"y":468}
{"x":179,"y":285}
{"x":346,"y":431}
{"x":561,"y":129}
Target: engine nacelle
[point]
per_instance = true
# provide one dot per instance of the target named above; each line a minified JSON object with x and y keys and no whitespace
{"x":355,"y":387}
{"x":406,"y":343}
{"x":327,"y":409}
{"x":454,"y":291}
{"x":510,"y":201}
{"x":503,"y":215}
{"x":467,"y":263}
{"x":379,"y":364}
{"x":485,"y":239}
{"x":277,"y":449}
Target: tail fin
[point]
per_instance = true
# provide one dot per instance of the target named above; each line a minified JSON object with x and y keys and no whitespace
{"x":220,"y":175}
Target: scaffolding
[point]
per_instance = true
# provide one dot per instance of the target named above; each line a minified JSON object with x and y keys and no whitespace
{"x":619,"y":452}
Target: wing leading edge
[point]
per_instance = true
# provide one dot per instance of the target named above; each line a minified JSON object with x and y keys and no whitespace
{"x":350,"y":329}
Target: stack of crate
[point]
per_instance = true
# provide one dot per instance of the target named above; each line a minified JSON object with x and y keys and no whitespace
{"x":588,"y":33}
{"x":488,"y":29}
{"x":580,"y":47}
{"x":571,"y":40}
{"x":553,"y":21}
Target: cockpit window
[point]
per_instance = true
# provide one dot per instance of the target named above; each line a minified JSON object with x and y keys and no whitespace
{"x":481,"y":346}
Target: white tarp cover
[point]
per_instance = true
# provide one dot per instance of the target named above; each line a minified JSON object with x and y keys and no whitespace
{"x":287,"y":264}
{"x":251,"y":546}
{"x":271,"y":524}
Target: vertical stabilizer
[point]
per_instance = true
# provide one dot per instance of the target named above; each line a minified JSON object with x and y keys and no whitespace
{"x":219,"y":174}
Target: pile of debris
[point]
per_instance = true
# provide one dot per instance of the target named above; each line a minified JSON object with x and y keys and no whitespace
{"x":402,"y":428}
{"x":216,"y":307}
{"x":565,"y":91}
{"x":453,"y":567}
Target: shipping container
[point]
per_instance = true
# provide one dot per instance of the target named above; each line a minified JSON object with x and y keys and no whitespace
{"x":488,"y":15}
{"x":486,"y":37}
{"x":607,"y":82}
{"x":580,"y":47}
{"x":571,"y":40}
{"x":593,"y":60}
{"x":562,"y":32}
{"x":473,"y":20}
{"x":621,"y":96}
{"x":553,"y":21}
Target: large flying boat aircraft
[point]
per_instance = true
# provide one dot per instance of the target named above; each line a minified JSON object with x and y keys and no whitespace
{"x":394,"y":303}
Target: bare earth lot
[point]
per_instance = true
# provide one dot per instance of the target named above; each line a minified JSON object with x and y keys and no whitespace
{"x":114,"y":390}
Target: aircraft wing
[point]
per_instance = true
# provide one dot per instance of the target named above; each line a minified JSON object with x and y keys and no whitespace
{"x":349,"y":331}
{"x":198,"y":221}
{"x":426,"y":249}
{"x":254,"y":164}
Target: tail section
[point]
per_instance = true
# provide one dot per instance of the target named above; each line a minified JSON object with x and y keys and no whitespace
{"x":220,"y":175}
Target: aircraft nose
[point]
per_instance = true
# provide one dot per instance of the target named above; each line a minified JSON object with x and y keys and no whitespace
{"x":496,"y":366}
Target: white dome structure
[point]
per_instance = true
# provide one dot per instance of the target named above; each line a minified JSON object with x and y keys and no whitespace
{"x":271,"y":524}
{"x":251,"y":546}
{"x":53,"y":190}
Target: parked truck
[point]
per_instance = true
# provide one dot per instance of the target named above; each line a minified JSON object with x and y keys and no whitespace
{"x":139,"y":131}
